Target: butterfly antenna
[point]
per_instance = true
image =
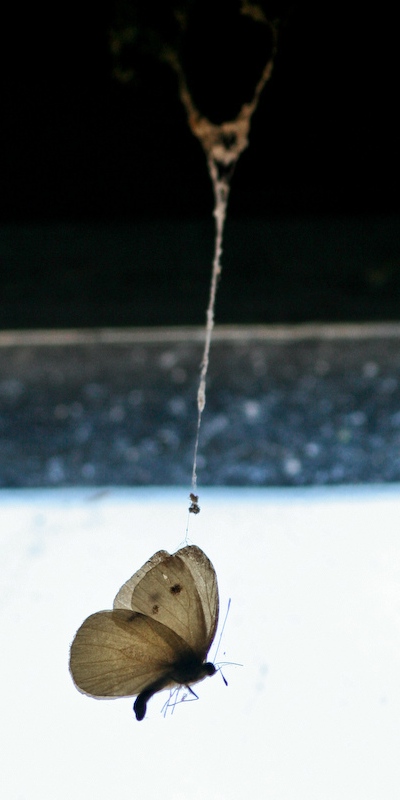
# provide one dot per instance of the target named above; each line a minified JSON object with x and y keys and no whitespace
{"x":226,"y":664}
{"x":222,"y":676}
{"x":222,"y":629}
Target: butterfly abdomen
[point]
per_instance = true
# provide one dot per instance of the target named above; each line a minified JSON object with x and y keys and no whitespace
{"x":140,"y":704}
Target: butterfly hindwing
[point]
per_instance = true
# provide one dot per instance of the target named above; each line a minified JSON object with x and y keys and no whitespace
{"x":119,"y":653}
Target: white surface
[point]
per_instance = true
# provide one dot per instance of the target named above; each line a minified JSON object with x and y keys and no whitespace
{"x":313,"y":713}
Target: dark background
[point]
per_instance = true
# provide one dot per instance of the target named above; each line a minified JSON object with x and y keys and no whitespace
{"x":105,"y":198}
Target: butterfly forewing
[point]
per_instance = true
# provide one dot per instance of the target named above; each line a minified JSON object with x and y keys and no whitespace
{"x":119,"y":653}
{"x":206,"y":583}
{"x":180,"y":591}
{"x":124,"y":597}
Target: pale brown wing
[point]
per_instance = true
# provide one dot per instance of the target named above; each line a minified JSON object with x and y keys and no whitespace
{"x":168,"y":594}
{"x":124,"y":597}
{"x":119,"y":653}
{"x":180,"y":592}
{"x":205,"y":579}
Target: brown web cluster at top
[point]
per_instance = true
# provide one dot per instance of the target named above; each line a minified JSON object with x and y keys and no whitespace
{"x":223,"y":144}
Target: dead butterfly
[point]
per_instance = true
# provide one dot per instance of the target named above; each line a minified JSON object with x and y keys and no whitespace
{"x":158,"y":634}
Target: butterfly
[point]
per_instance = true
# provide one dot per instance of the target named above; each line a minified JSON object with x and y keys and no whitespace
{"x":158,"y":634}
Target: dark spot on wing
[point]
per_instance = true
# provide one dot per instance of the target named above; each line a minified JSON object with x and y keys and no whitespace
{"x":155,"y":609}
{"x":176,"y":589}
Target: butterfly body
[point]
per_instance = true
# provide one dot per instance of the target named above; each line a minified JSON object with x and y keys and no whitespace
{"x":185,"y":672}
{"x":157,"y":635}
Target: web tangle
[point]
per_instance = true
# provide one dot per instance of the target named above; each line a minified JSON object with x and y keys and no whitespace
{"x":223,"y":144}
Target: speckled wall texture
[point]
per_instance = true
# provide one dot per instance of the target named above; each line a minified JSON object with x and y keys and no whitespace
{"x":301,"y":406}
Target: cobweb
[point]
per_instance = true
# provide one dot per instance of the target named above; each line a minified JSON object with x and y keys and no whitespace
{"x":223,"y":144}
